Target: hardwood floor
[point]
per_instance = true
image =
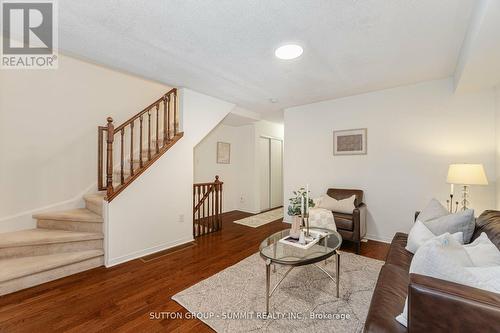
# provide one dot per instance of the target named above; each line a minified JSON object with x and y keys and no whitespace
{"x":121,"y":298}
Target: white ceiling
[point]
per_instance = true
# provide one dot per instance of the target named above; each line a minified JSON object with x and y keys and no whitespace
{"x":225,"y":48}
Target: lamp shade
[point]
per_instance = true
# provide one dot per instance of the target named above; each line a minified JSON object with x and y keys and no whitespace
{"x":467,"y":174}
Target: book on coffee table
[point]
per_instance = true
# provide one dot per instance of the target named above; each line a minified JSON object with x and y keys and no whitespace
{"x":315,"y":235}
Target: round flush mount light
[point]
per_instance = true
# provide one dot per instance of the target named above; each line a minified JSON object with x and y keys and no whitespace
{"x":288,"y":52}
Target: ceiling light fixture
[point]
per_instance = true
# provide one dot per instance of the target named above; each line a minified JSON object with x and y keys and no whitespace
{"x":289,"y":51}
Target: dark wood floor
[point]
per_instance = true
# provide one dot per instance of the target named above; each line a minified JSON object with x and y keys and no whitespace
{"x":121,"y":298}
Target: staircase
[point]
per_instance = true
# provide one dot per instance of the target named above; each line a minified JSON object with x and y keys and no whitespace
{"x":64,"y":243}
{"x":71,"y":241}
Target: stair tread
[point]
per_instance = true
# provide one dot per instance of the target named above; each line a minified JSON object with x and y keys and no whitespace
{"x":97,"y":197}
{"x":78,"y":214}
{"x":44,"y":236}
{"x":13,"y":268}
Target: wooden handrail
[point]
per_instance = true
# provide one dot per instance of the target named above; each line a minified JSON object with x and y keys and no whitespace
{"x":172,"y":91}
{"x":207,"y":207}
{"x":157,"y":141}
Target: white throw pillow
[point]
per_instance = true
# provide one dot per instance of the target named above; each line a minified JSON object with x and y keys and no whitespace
{"x":444,"y":258}
{"x":345,"y":206}
{"x":432,"y":211}
{"x":489,"y":275}
{"x":419,"y":234}
{"x":483,"y":252}
{"x":462,"y":221}
{"x":317,"y":201}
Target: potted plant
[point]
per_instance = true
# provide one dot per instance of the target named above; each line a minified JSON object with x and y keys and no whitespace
{"x":301,"y":196}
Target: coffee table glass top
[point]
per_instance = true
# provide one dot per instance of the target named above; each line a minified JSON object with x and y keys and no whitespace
{"x":271,"y":248}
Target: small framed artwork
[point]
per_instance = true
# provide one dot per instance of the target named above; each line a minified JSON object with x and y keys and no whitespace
{"x":350,"y":142}
{"x":223,"y":153}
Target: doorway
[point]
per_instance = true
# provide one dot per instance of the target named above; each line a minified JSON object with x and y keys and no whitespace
{"x":271,"y":172}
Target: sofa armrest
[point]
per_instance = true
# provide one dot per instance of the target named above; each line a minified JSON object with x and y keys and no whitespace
{"x":438,"y":305}
{"x":359,"y":220}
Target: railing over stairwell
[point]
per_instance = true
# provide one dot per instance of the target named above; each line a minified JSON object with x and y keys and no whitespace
{"x":136,"y":144}
{"x":207,"y":207}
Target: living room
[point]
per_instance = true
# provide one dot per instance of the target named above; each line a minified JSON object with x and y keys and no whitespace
{"x":241,"y":166}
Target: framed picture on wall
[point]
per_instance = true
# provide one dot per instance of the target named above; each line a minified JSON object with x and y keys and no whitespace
{"x":223,"y":153}
{"x":350,"y":142}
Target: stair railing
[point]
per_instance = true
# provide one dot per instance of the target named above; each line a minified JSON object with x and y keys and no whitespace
{"x":158,"y":129}
{"x":207,"y":207}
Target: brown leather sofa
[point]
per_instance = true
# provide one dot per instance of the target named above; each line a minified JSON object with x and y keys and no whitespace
{"x":352,"y":227}
{"x":434,"y":305}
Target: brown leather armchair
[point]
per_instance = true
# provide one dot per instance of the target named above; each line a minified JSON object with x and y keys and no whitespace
{"x":352,"y":227}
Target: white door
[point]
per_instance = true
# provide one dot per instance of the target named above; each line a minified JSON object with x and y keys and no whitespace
{"x":276,"y":187}
{"x":264,"y":161}
{"x":271,"y":173}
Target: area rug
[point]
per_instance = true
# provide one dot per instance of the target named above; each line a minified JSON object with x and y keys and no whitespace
{"x":262,"y":218}
{"x":233,"y":300}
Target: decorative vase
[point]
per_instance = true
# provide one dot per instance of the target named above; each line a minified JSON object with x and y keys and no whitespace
{"x":295,"y":230}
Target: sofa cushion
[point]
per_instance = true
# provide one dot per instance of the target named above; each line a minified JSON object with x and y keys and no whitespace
{"x":388,"y":300}
{"x":343,"y":221}
{"x":397,"y":254}
{"x":489,"y":223}
{"x":432,"y":211}
{"x":483,"y":252}
{"x":462,"y":221}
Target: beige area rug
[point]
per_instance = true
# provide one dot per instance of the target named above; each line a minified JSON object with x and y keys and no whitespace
{"x":262,"y":218}
{"x":234,"y":300}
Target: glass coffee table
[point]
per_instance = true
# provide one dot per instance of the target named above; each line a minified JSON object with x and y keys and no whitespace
{"x":275,"y":252}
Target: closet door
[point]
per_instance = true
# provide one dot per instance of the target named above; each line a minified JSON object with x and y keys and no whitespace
{"x":276,"y":169}
{"x":265,"y":174}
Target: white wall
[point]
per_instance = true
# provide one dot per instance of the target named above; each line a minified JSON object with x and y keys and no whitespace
{"x":233,"y":175}
{"x":155,"y":211}
{"x":48,"y":133}
{"x":414,"y":133}
{"x":241,"y":177}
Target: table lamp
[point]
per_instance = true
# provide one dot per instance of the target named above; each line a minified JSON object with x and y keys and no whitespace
{"x":465,"y":175}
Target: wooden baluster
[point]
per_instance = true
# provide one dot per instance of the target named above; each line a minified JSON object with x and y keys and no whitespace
{"x":211,"y":206}
{"x":131,"y":159}
{"x":194,"y":205}
{"x":199,"y":229}
{"x":140,"y":142}
{"x":216,"y":185}
{"x":204,"y":190}
{"x":214,"y":218}
{"x":209,"y":217}
{"x":100,"y":157}
{"x":109,"y":157}
{"x":157,"y":127}
{"x":166,"y":119}
{"x":220,"y":203}
{"x":207,"y":220}
{"x":175,"y":112}
{"x":122,"y":178}
{"x":149,"y":135}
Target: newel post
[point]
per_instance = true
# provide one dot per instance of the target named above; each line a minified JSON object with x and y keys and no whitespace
{"x":109,"y":156}
{"x":218,"y":203}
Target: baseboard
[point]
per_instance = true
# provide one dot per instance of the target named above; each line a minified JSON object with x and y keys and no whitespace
{"x":379,"y":238}
{"x":249,"y":211}
{"x":24,"y":220}
{"x":134,"y":255}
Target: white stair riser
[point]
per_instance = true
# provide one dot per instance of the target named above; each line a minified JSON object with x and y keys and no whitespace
{"x":54,"y":248}
{"x":70,"y":225}
{"x":49,"y":275}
